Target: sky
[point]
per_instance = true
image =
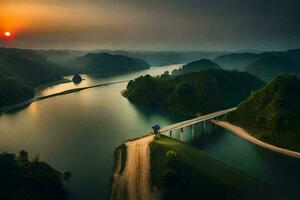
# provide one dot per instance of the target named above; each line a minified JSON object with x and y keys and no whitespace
{"x":207,"y":25}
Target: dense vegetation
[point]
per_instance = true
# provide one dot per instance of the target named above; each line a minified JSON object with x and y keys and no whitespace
{"x":24,"y":179}
{"x":105,"y":63}
{"x":267,"y":67}
{"x":28,"y":66}
{"x":13,"y":91}
{"x":238,"y":61}
{"x":272,"y":113}
{"x":76,"y":79}
{"x":199,"y":92}
{"x":196,"y":66}
{"x":184,"y":172}
{"x":21,"y":71}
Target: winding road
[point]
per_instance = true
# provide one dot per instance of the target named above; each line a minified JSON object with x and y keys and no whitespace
{"x":244,"y":134}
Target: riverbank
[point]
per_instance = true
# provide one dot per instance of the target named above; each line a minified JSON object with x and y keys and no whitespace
{"x":24,"y":104}
{"x":181,"y":171}
{"x":64,"y":80}
{"x":245,"y":135}
{"x":131,"y":177}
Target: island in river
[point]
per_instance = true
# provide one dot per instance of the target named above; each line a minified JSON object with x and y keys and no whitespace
{"x":24,"y":70}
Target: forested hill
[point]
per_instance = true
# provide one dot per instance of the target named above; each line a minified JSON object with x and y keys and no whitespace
{"x":272,"y":113}
{"x":20,"y":71}
{"x":28,"y":66}
{"x":196,"y":66}
{"x":13,"y":91}
{"x":193,"y":93}
{"x":107,"y":63}
{"x":26,"y":179}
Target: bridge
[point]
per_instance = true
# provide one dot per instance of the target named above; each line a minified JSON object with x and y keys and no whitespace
{"x":192,"y":122}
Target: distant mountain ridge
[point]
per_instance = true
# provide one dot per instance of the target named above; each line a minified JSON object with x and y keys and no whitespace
{"x":195,"y":66}
{"x":269,"y":66}
{"x":107,"y":63}
{"x":238,"y":61}
{"x":272,"y":113}
{"x":265,"y":65}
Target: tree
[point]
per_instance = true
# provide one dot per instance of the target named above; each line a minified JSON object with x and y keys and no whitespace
{"x":23,"y":157}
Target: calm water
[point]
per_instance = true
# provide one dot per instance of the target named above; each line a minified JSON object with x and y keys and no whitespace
{"x":78,"y":132}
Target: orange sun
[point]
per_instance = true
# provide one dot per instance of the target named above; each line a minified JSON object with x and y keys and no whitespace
{"x":7,"y":34}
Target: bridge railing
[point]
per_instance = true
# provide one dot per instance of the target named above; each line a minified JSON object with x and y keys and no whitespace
{"x":196,"y":120}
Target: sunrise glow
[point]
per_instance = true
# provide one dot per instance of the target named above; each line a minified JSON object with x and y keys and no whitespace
{"x":7,"y":34}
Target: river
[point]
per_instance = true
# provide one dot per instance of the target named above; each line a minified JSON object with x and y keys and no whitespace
{"x":78,"y":132}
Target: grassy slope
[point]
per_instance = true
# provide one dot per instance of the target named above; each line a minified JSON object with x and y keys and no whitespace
{"x":192,"y":174}
{"x":192,"y":93}
{"x":272,"y":113}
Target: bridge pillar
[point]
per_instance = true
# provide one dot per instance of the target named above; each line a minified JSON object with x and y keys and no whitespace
{"x":181,"y":134}
{"x":193,"y":131}
{"x":204,"y":125}
{"x":170,"y":134}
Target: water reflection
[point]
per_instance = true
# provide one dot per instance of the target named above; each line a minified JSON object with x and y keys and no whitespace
{"x":95,"y":79}
{"x":279,"y":170}
{"x":78,"y":132}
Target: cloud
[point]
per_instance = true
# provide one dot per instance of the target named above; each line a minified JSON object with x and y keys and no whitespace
{"x":156,"y":24}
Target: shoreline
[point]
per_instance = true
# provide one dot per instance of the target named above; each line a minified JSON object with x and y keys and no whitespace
{"x":23,"y":104}
{"x":245,"y":135}
{"x":61,"y":81}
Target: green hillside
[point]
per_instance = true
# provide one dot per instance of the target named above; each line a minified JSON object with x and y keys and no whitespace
{"x":24,"y":179}
{"x":13,"y":91}
{"x":199,"y":92}
{"x":272,"y":113}
{"x":181,"y":171}
{"x":28,"y":66}
{"x":196,"y":66}
{"x":20,"y":71}
{"x":105,"y":63}
{"x":267,"y":67}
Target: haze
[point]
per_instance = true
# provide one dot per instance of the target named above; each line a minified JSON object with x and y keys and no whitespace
{"x":152,"y":25}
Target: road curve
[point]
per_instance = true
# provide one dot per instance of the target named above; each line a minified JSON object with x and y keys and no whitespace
{"x":244,"y":134}
{"x":135,"y":182}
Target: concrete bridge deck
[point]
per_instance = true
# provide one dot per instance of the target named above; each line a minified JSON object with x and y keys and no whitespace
{"x":196,"y":120}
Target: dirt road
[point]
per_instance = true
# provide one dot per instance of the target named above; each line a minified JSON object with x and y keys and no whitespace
{"x":244,"y":134}
{"x":135,"y":182}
